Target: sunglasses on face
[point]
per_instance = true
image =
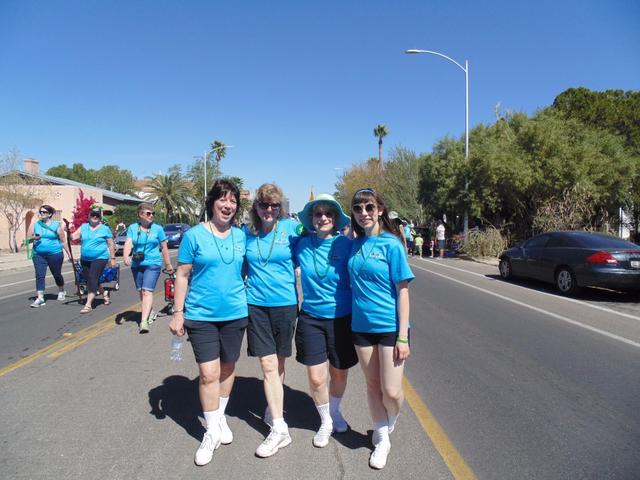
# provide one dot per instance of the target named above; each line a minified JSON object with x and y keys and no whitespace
{"x":323,"y":213}
{"x":44,"y":212}
{"x":266,"y":205}
{"x":94,"y":215}
{"x":369,"y":207}
{"x":148,"y":214}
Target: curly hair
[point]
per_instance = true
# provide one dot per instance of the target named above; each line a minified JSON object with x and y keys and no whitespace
{"x":267,"y":192}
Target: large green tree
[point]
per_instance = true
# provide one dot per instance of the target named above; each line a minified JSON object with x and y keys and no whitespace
{"x":173,"y":193}
{"x":109,"y":177}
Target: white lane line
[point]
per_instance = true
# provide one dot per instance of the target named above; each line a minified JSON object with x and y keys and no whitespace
{"x":558,"y":297}
{"x":32,"y":280}
{"x":539,"y":310}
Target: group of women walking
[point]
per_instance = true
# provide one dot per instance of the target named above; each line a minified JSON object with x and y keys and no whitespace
{"x":355,"y":309}
{"x":145,"y":251}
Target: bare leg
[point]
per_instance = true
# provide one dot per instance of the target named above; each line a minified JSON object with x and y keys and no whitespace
{"x":369,"y":362}
{"x":338,"y":382}
{"x":317,"y":375}
{"x":391,"y":373}
{"x":273,"y":372}
{"x":209,"y":385}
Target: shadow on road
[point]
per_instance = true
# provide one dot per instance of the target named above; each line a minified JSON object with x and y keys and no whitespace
{"x":177,"y":398}
{"x":127,"y":316}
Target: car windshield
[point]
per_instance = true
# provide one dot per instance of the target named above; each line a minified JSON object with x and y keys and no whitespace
{"x":173,"y":228}
{"x":603,"y":241}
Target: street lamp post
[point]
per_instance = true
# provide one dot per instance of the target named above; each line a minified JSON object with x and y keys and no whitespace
{"x":205,"y":172}
{"x":465,"y":69}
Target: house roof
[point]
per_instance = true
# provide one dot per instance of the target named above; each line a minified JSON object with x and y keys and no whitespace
{"x":65,"y":181}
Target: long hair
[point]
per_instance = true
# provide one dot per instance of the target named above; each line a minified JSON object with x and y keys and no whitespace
{"x":220,"y":189}
{"x":267,"y":192}
{"x":369,"y":194}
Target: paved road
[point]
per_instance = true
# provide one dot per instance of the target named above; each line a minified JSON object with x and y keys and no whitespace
{"x":524,"y":383}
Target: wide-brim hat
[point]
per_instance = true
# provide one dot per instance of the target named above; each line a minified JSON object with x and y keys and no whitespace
{"x":305,"y":214}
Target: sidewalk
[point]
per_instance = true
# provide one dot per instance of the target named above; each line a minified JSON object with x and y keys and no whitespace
{"x":18,"y":261}
{"x":116,"y":407}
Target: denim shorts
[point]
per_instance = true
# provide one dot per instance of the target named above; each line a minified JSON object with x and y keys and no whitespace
{"x":146,"y":277}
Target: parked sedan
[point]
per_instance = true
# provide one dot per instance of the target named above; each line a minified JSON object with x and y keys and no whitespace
{"x":174,"y":233}
{"x":573,"y":259}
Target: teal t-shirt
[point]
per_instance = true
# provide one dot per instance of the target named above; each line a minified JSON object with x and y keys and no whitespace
{"x":324,"y":275}
{"x":49,"y":242}
{"x":271,"y":281}
{"x":94,"y":242}
{"x":376,"y":266}
{"x":147,"y":242}
{"x":216,"y":291}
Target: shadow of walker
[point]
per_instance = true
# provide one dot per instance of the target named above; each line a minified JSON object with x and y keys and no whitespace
{"x":177,"y":398}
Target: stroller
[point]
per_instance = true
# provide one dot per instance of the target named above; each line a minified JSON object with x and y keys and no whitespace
{"x":169,"y":290}
{"x":109,"y":275}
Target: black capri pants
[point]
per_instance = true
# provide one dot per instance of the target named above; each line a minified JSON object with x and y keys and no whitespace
{"x":91,"y":271}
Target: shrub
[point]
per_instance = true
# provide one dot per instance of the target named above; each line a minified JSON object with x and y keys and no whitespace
{"x":487,"y":243}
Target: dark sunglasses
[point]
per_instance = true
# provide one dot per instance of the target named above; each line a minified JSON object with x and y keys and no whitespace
{"x":148,"y":214}
{"x":266,"y":205}
{"x":97,"y":215}
{"x":369,"y":207}
{"x":44,"y":212}
{"x":321,"y":213}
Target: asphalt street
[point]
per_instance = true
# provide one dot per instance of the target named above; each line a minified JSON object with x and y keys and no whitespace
{"x":519,"y":382}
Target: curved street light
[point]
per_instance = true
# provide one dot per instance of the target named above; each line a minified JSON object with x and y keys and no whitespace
{"x":205,"y":172}
{"x":465,"y":69}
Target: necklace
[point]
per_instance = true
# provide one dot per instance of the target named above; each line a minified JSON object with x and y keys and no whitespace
{"x":315,"y":265}
{"x":263,"y":261}
{"x":233,"y":246}
{"x":364,"y":257}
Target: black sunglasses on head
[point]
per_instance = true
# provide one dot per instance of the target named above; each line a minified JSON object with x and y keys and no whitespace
{"x":369,"y":207}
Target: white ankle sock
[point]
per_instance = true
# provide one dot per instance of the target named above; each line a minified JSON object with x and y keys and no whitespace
{"x":279,"y":425}
{"x":222,"y":406}
{"x":380,"y":432}
{"x":334,"y":404}
{"x":212,"y":418}
{"x":325,"y":416}
{"x":41,"y":294}
{"x":392,"y":421}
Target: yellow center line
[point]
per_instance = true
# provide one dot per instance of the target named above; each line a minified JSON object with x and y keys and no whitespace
{"x":452,"y":458}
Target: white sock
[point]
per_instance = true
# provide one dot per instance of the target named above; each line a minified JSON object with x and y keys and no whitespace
{"x":223,"y":405}
{"x":41,"y":294}
{"x":334,"y":404}
{"x":380,"y":432}
{"x":325,"y":416}
{"x":392,"y":421}
{"x":212,"y":418}
{"x":279,"y":425}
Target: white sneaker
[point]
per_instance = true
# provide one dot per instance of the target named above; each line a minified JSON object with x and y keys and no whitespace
{"x":152,"y":316}
{"x":268,"y":419}
{"x":62,"y":296}
{"x":378,"y":458}
{"x":321,"y":438}
{"x":38,"y":302}
{"x":274,"y":442}
{"x":226,"y":435}
{"x":340,"y":425}
{"x":210,"y":442}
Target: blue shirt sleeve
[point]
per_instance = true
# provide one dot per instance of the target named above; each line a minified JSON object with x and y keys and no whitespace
{"x":161,"y":234}
{"x":188,"y":246}
{"x":399,"y":269}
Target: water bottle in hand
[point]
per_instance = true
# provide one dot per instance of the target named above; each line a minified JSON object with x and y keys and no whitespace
{"x":176,"y":348}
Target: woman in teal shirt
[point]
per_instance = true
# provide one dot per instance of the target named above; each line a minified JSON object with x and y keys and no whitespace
{"x":97,"y":248}
{"x":273,"y":303}
{"x":380,"y":277}
{"x":324,"y":324}
{"x":212,"y":308}
{"x":145,"y":242}
{"x":48,"y":242}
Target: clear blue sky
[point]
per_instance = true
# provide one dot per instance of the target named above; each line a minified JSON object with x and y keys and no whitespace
{"x":297,"y":87}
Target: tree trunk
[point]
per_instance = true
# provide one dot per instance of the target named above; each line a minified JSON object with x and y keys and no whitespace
{"x":380,"y":151}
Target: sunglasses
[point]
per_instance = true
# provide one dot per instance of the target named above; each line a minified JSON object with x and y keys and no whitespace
{"x":148,"y":214}
{"x":369,"y":207}
{"x":96,"y":215}
{"x":44,"y":212}
{"x":266,"y":205}
{"x":323,"y":213}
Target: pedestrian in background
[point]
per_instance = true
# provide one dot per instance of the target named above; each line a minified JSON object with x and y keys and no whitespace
{"x":419,"y":241}
{"x":97,"y":248}
{"x":440,"y":237}
{"x":48,"y":242}
{"x":380,"y":276}
{"x":145,"y":243}
{"x":212,"y":309}
{"x":323,"y":332}
{"x":273,"y":303}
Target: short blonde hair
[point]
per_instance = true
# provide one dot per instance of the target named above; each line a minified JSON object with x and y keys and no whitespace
{"x":145,"y":206}
{"x":267,"y":192}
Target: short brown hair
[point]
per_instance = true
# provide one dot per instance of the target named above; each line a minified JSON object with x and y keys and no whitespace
{"x":145,"y":206}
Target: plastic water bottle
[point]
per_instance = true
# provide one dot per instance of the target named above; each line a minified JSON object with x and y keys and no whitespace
{"x":176,"y":348}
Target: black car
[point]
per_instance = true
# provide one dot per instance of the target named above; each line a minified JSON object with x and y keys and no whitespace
{"x":174,"y":233}
{"x":574,"y":259}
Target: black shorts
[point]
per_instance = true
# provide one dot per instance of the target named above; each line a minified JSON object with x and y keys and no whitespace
{"x":270,"y":330}
{"x":213,"y":340}
{"x":387,"y":339}
{"x":319,"y":340}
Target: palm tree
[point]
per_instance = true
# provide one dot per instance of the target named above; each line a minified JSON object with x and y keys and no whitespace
{"x":173,"y":193}
{"x":380,"y":131}
{"x":219,"y":150}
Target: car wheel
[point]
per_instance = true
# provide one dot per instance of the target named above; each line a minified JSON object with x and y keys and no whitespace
{"x":566,"y":281}
{"x":505,"y":269}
